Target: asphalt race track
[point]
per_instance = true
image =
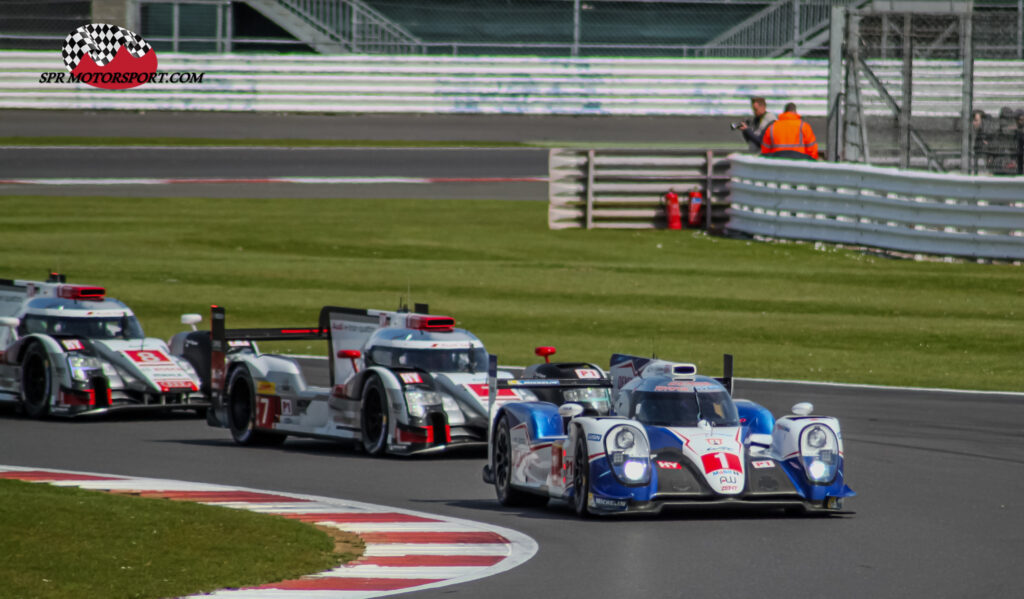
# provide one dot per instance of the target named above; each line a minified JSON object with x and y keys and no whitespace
{"x":940,"y":478}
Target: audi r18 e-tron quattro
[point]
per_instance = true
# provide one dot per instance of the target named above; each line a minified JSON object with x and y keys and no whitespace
{"x":399,"y":382}
{"x":667,"y":436}
{"x":68,"y":350}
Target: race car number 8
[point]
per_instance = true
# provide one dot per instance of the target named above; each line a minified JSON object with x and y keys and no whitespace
{"x":146,"y":356}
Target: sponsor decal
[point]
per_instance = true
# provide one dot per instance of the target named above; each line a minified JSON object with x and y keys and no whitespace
{"x":714,"y":441}
{"x":687,"y":386}
{"x":763,"y":464}
{"x":286,"y":407}
{"x":730,"y":488}
{"x":669,"y":465}
{"x":480,"y":389}
{"x":587,"y":373}
{"x":593,"y":437}
{"x":266,"y":388}
{"x":111,"y":57}
{"x":727,"y":480}
{"x":721,"y":460}
{"x":410,"y":378}
{"x":607,"y":503}
{"x":238,"y":343}
{"x":72,"y":344}
{"x":154,"y":364}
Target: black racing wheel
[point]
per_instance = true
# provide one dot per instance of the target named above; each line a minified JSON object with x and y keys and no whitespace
{"x":374,"y":417}
{"x":242,"y":412}
{"x":36,"y":381}
{"x":581,"y":478}
{"x":507,"y":495}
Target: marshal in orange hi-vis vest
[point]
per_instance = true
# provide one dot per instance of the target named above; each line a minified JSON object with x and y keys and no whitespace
{"x":789,"y":136}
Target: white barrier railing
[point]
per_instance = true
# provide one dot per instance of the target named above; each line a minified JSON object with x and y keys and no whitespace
{"x":514,"y":85}
{"x":892,"y":209}
{"x":622,"y":189}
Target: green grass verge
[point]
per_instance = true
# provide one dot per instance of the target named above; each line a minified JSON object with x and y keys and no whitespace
{"x":69,"y":543}
{"x":785,"y":310}
{"x":68,"y":140}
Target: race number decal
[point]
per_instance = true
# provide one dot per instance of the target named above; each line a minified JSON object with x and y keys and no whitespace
{"x":587,"y":373}
{"x":146,"y":356}
{"x":268,"y":410}
{"x":160,"y":370}
{"x":720,"y":461}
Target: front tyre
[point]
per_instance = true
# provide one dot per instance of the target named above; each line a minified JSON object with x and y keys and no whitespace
{"x":507,"y":495}
{"x":241,"y":412}
{"x":36,"y":382}
{"x":581,"y":479}
{"x":374,"y":418}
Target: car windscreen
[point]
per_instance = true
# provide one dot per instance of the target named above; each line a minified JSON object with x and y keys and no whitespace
{"x":106,"y":327}
{"x":685,"y":408}
{"x":469,"y":359}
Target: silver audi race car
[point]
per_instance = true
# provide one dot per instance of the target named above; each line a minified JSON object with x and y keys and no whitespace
{"x":69,"y":350}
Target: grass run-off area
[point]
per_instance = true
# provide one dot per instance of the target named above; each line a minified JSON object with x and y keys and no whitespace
{"x":69,"y":543}
{"x":786,"y":311}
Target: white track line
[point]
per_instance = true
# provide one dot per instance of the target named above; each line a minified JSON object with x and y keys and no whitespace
{"x":405,"y":550}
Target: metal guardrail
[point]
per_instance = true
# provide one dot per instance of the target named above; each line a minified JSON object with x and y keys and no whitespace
{"x":623,"y":189}
{"x":356,"y":25}
{"x":887,"y":208}
{"x":783,"y":26}
{"x":512,"y":85}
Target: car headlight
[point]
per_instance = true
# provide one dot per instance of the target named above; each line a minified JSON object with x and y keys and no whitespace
{"x":418,"y":399}
{"x":82,"y":367}
{"x":819,"y":451}
{"x":629,"y":454}
{"x":586,"y":394}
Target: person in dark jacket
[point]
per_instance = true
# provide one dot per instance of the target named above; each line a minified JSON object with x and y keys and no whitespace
{"x":753,"y":129}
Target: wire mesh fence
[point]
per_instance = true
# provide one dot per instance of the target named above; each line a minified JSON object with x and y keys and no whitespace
{"x":900,"y":106}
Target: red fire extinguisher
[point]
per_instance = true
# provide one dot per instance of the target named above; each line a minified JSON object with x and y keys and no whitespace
{"x":672,"y":213}
{"x":696,"y":202}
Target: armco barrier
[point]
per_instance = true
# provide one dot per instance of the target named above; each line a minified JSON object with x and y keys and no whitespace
{"x":514,"y":85}
{"x":892,"y":209}
{"x":622,"y":189}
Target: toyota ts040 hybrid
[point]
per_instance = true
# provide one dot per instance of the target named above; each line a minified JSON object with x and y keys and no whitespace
{"x":399,"y":382}
{"x":664,"y":435}
{"x":68,"y":350}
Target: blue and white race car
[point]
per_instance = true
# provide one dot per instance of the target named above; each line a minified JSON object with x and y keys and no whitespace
{"x":673,"y":437}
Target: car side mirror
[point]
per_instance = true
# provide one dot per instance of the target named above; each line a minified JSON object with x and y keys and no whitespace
{"x":803,"y":408}
{"x":9,"y":321}
{"x":570,"y":410}
{"x":191,"y":320}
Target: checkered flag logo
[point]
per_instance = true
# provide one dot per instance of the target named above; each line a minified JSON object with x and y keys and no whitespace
{"x":101,"y":42}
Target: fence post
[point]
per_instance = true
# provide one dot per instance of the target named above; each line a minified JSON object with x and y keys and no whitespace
{"x":590,"y":189}
{"x":575,"y":27}
{"x":967,"y":90}
{"x":709,"y":173}
{"x":837,"y":31}
{"x":908,"y":90}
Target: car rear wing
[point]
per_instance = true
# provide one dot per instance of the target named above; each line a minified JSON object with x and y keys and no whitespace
{"x":625,"y":368}
{"x":221,"y":339}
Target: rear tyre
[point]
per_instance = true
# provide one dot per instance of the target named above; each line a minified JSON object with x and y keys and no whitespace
{"x":242,"y":412}
{"x":374,"y":418}
{"x":508,"y":495}
{"x":581,"y":479}
{"x":36,"y":382}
